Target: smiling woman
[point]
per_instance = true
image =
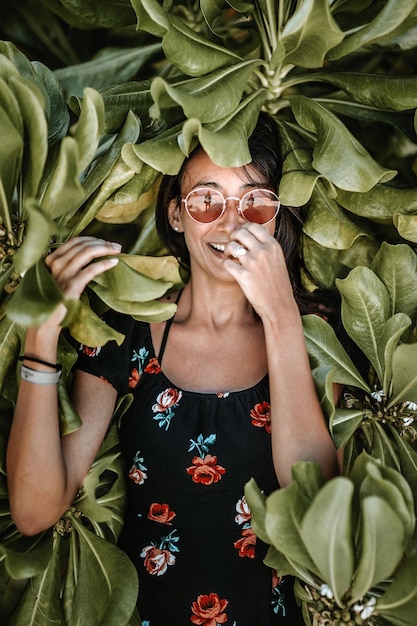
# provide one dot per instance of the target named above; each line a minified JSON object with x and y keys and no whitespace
{"x":215,"y":398}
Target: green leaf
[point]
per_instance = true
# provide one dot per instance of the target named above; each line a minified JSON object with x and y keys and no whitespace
{"x":40,"y":602}
{"x":396,"y":266}
{"x":189,"y":51}
{"x":107,"y":584}
{"x":31,"y":104}
{"x":110,"y":66}
{"x":365,"y":310}
{"x":406,"y":226}
{"x":9,"y":345}
{"x":327,"y":533}
{"x":93,"y":14}
{"x":327,"y":224}
{"x":408,"y":460}
{"x":396,"y":93}
{"x":298,"y":175}
{"x":309,"y":34}
{"x":208,"y":98}
{"x":381,"y":203}
{"x":380,"y":527}
{"x":394,"y":329}
{"x":257,"y":504}
{"x":162,"y":152}
{"x":338,"y":155}
{"x":345,"y":423}
{"x":404,"y":374}
{"x":89,"y":329}
{"x":36,"y":297}
{"x":285,"y":510}
{"x":22,"y":561}
{"x":226,"y":141}
{"x":399,"y":603}
{"x":10,"y":163}
{"x":64,"y":191}
{"x":37,"y":237}
{"x":323,"y":268}
{"x":89,"y":128}
{"x":391,"y":15}
{"x":324,"y":347}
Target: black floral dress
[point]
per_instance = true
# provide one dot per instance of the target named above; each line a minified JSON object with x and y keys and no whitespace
{"x":188,"y":456}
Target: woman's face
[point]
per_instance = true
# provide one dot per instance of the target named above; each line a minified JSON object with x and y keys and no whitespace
{"x":206,"y":241}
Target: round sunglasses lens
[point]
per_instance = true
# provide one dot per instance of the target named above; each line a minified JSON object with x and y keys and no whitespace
{"x":260,"y":206}
{"x":204,"y":205}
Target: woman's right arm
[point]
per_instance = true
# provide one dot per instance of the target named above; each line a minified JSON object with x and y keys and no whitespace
{"x":45,"y":471}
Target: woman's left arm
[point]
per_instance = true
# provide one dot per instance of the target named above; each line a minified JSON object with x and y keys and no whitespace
{"x":298,"y":428}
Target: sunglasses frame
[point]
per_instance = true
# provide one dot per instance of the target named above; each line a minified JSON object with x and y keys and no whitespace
{"x":237,"y":207}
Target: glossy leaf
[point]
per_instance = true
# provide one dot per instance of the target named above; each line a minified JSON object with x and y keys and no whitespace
{"x":326,"y":531}
{"x":380,"y":525}
{"x":205,"y":98}
{"x":328,"y":224}
{"x":189,"y":51}
{"x":394,"y":329}
{"x":107,"y":583}
{"x":383,"y":92}
{"x":10,"y":161}
{"x":309,"y":34}
{"x":399,"y":602}
{"x":338,"y":155}
{"x":325,"y":349}
{"x":365,"y":309}
{"x":404,"y":374}
{"x":406,"y":226}
{"x":9,"y":346}
{"x":87,"y":328}
{"x":89,"y":128}
{"x":37,"y":237}
{"x":396,"y":266}
{"x":381,"y":203}
{"x":344,"y":424}
{"x":392,"y":14}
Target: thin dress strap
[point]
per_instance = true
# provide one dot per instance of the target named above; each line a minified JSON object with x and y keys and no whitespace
{"x":166,"y":331}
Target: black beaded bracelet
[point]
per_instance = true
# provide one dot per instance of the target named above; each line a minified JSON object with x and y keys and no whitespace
{"x":57,"y":367}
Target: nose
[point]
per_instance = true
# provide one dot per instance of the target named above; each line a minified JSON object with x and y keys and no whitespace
{"x":231,"y":217}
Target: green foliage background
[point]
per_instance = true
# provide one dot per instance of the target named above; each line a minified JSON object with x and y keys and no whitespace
{"x":97,"y":99}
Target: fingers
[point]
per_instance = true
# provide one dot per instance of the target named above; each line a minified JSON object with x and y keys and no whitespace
{"x":74,"y":264}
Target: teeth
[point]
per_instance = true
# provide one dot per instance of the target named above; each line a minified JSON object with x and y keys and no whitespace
{"x":218,"y":246}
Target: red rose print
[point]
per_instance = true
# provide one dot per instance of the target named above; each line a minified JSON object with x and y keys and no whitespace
{"x":153,"y":366}
{"x":209,"y":610}
{"x":157,"y":560}
{"x":261,"y":415}
{"x":167,"y":399}
{"x":134,"y":378}
{"x":137,"y":475}
{"x":161,"y":513}
{"x":89,"y":351}
{"x":206,"y":471}
{"x":246,"y":544}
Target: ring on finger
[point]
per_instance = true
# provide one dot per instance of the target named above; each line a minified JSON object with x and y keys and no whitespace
{"x":240,"y":252}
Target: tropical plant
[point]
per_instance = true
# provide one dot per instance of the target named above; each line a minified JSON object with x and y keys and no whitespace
{"x":333,"y":538}
{"x":135,"y":85}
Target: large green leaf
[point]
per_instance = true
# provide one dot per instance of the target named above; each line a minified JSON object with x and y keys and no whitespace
{"x":191,"y":52}
{"x":365,"y":310}
{"x":40,"y":602}
{"x":110,"y":66}
{"x":406,"y":226}
{"x":399,"y":602}
{"x":10,"y":162}
{"x":344,"y":424}
{"x":225,"y":141}
{"x":325,"y":349}
{"x":36,"y":297}
{"x":37,"y":237}
{"x":391,"y":15}
{"x":309,"y":34}
{"x":93,"y":13}
{"x":397,"y":93}
{"x":396,"y":266}
{"x":381,"y":526}
{"x":328,"y":224}
{"x":394,"y":329}
{"x":9,"y":345}
{"x":338,"y":155}
{"x":206,"y":98}
{"x":404,"y":374}
{"x":107,"y":585}
{"x":381,"y":203}
{"x":89,"y":128}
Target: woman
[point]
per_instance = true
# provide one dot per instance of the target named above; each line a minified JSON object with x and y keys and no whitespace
{"x":222,"y":393}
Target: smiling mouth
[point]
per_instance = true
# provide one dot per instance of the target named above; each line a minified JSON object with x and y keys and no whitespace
{"x":219,"y":247}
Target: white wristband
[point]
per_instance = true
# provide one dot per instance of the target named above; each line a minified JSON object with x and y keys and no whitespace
{"x":40,"y":378}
